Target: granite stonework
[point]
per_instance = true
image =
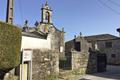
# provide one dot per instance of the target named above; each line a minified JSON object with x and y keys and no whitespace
{"x":113,"y":50}
{"x":45,"y":59}
{"x":108,"y":44}
{"x":45,"y":63}
{"x":92,"y":63}
{"x":83,"y":60}
{"x":79,"y":61}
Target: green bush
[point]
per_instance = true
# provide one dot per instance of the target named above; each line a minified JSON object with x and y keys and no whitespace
{"x":10,"y":43}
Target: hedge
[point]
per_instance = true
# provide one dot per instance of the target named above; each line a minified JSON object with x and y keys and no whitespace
{"x":10,"y":43}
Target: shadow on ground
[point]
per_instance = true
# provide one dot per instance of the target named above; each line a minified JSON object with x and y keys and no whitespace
{"x":112,"y":73}
{"x":84,"y":79}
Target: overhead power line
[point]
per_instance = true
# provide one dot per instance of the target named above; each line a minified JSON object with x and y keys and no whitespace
{"x":109,"y":7}
{"x":115,"y":3}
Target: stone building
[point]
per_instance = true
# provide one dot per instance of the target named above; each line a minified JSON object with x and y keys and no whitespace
{"x":105,"y":43}
{"x":44,"y":34}
{"x":47,"y":44}
{"x":108,"y":44}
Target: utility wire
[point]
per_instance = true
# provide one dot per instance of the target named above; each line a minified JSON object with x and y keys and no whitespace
{"x":112,"y":9}
{"x":115,"y":3}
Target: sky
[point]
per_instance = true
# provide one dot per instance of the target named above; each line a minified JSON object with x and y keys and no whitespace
{"x":91,"y":17}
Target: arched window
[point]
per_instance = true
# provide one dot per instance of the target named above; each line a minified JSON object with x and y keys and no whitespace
{"x":47,"y":17}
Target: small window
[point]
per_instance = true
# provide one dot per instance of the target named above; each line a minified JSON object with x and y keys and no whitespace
{"x":77,"y":46}
{"x":108,"y":44}
{"x":113,"y":55}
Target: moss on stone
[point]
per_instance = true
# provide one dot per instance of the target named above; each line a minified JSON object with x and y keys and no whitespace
{"x":52,"y":77}
{"x":10,"y":43}
{"x":80,"y":71}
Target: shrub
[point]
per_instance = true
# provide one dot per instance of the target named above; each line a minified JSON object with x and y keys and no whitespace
{"x":10,"y":43}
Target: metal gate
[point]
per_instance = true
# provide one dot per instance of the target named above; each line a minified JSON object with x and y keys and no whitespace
{"x":101,"y":62}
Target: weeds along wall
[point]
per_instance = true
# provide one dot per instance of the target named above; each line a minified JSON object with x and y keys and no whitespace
{"x":10,"y":43}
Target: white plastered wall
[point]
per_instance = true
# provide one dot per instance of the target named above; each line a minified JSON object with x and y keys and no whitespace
{"x":35,"y":43}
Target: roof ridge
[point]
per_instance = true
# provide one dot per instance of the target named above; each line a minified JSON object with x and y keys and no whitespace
{"x":101,"y":35}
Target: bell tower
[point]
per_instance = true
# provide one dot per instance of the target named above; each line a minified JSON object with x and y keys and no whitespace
{"x":46,"y":14}
{"x":9,"y":14}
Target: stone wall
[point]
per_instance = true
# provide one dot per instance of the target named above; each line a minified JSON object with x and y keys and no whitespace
{"x":84,"y":45}
{"x":57,"y":39}
{"x":79,"y":61}
{"x":84,"y":62}
{"x":92,"y":63}
{"x":45,"y":64}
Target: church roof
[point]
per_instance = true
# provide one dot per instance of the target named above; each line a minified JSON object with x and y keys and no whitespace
{"x":35,"y":34}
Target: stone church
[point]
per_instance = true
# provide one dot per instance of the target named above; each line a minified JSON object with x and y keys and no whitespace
{"x":44,"y":34}
{"x":47,"y":44}
{"x":44,"y":44}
